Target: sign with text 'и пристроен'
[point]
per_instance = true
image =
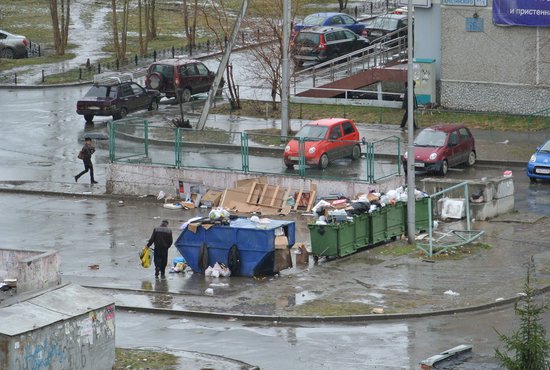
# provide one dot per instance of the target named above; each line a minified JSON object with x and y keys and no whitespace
{"x":530,"y":13}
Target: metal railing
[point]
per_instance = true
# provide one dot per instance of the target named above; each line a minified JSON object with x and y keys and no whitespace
{"x":136,"y":141}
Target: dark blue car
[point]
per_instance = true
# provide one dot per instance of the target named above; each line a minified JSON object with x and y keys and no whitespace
{"x":330,"y":19}
{"x":538,"y":166}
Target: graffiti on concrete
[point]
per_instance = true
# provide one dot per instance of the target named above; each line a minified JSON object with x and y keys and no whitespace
{"x":43,"y":355}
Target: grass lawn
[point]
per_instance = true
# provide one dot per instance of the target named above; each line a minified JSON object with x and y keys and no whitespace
{"x":127,"y":359}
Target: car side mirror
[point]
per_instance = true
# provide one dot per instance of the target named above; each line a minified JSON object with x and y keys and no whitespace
{"x":538,"y":148}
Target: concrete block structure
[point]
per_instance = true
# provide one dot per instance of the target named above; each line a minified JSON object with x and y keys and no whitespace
{"x":481,"y":66}
{"x":64,"y":328}
{"x":33,"y":269}
{"x":497,"y":194}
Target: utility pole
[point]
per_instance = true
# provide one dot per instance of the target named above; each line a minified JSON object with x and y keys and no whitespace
{"x":411,"y":199}
{"x":285,"y":73}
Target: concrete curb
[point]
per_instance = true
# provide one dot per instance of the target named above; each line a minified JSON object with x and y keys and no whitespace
{"x":325,"y":319}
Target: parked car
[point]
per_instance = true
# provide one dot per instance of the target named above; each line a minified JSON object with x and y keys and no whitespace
{"x":186,"y":76}
{"x":320,"y":44}
{"x":538,"y":166}
{"x":13,"y":46}
{"x":325,"y":140}
{"x":442,"y":146}
{"x":116,"y":96}
{"x":329,"y":19}
{"x":384,"y":24}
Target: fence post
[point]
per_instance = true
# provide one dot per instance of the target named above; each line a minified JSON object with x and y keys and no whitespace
{"x":173,"y":51}
{"x":302,"y":157}
{"x":154,"y":55}
{"x":244,"y":152}
{"x":98,"y":68}
{"x":112,"y":151}
{"x":355,"y":11}
{"x":79,"y":73}
{"x":117,"y":64}
{"x":177,"y":147}
{"x":370,"y":8}
{"x":146,"y":137}
{"x":42,"y":75}
{"x":208,"y":46}
{"x":15,"y":78}
{"x":398,"y":156}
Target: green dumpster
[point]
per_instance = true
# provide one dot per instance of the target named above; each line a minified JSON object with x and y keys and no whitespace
{"x":395,"y":216}
{"x":421,"y":215}
{"x":378,"y":227}
{"x":362,"y":230}
{"x":332,"y":240}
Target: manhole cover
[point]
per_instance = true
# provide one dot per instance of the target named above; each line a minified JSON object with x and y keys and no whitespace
{"x":40,"y":164}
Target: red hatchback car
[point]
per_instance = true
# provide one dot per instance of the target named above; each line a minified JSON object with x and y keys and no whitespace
{"x":324,"y":141}
{"x":439,"y":147}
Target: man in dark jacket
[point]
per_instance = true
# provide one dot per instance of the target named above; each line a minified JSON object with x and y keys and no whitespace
{"x":405,"y":107}
{"x":87,"y":151}
{"x":162,"y":239}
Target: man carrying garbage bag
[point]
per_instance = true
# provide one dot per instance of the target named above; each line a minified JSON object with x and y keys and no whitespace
{"x":162,"y":239}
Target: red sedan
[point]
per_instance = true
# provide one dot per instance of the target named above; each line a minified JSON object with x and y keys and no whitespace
{"x":324,"y":141}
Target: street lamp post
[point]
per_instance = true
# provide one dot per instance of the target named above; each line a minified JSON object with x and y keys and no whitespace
{"x":411,"y":227}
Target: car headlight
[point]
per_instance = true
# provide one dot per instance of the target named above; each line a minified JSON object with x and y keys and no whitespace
{"x":533,"y":158}
{"x":287,"y":148}
{"x":433,"y":156}
{"x":311,"y":150}
{"x":406,"y":155}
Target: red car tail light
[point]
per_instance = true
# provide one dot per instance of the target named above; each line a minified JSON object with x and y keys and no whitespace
{"x":26,"y":43}
{"x":364,"y":32}
{"x":322,"y":44}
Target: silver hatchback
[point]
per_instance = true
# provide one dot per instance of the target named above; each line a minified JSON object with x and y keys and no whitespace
{"x":13,"y":46}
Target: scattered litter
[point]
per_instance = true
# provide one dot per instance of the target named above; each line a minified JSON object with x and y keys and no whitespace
{"x":87,"y":192}
{"x":231,"y":319}
{"x":521,"y":294}
{"x":219,"y":269}
{"x":219,"y":285}
{"x":161,"y":195}
{"x":499,"y":299}
{"x":93,"y":267}
{"x":184,"y":321}
{"x":450,"y":292}
{"x":377,"y":310}
{"x":209,"y":291}
{"x":507,"y":173}
{"x":172,"y":205}
{"x":120,"y":203}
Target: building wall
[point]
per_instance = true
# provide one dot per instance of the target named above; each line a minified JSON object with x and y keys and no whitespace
{"x":84,"y":342}
{"x":129,"y":179}
{"x":33,"y":269}
{"x":503,"y":69}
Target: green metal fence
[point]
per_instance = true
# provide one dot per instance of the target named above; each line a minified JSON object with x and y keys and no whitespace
{"x":136,"y":141}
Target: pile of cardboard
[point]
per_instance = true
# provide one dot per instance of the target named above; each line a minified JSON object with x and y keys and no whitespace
{"x":257,"y":196}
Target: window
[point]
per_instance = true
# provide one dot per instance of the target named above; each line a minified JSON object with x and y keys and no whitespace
{"x":453,"y":139}
{"x":189,"y":70}
{"x":335,"y":133}
{"x":336,"y":20}
{"x":349,"y":35}
{"x":331,"y":36}
{"x":136,"y":89}
{"x":463,"y":134}
{"x":347,"y":19}
{"x":348,"y":128}
{"x":203,"y":71}
{"x":340,"y":35}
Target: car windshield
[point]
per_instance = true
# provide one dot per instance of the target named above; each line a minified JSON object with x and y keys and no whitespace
{"x":307,"y":39}
{"x":313,"y":20}
{"x":312,"y":133}
{"x":101,"y":92}
{"x":384,"y":23}
{"x":545,"y":148}
{"x":429,"y":137}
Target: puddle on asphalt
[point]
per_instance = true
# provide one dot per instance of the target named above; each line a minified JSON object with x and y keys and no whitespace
{"x":299,"y":298}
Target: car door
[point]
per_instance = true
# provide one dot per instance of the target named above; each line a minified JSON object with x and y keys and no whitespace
{"x":125,"y":95}
{"x":189,"y":76}
{"x":453,"y":157}
{"x":351,"y":24}
{"x":205,"y":78}
{"x":349,"y":138}
{"x":465,"y":144}
{"x":335,"y":142}
{"x":140,"y":98}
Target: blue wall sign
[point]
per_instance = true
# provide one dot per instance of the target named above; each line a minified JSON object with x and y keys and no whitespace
{"x":531,"y":13}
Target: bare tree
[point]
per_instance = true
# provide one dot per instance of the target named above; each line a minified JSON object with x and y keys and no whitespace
{"x":190,"y":29}
{"x":60,"y":11}
{"x":342,"y":4}
{"x":120,"y":44}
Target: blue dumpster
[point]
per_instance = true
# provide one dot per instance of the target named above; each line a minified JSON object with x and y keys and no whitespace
{"x":246,"y":247}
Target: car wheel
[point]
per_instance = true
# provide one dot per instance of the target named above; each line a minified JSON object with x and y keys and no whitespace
{"x":7,"y":53}
{"x":323,"y":161}
{"x":154,"y":104}
{"x":89,"y":117}
{"x":532,"y":180}
{"x":289,"y":165}
{"x":356,"y":152}
{"x":123,"y":112}
{"x":186,"y":95}
{"x":471,"y":158}
{"x":155,"y":81}
{"x":444,"y":168}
